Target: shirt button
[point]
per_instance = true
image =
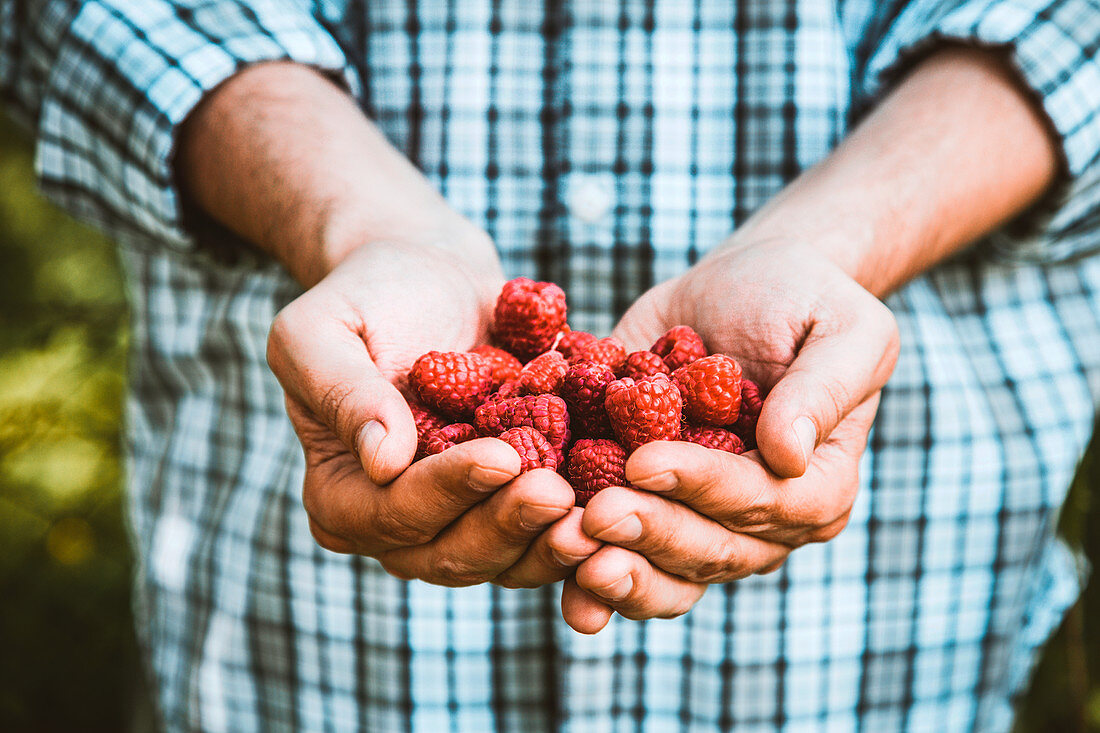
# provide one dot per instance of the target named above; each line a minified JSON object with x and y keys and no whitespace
{"x":589,"y":200}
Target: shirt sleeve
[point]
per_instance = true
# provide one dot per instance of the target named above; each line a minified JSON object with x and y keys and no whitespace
{"x":1053,"y":48}
{"x":106,"y":83}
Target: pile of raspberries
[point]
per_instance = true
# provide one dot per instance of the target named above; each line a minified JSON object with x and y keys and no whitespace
{"x":574,"y":403}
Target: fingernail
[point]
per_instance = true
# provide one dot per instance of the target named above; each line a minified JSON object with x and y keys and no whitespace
{"x":627,"y":529}
{"x":658,"y":482}
{"x":370,"y":440}
{"x":564,"y":559}
{"x":806,"y":433}
{"x":485,"y":479}
{"x":618,"y":590}
{"x":536,"y":516}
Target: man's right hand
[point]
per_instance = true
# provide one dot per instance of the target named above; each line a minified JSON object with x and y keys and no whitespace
{"x":462,"y":517}
{"x":286,"y":159}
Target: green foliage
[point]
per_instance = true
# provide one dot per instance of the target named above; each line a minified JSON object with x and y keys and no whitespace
{"x":68,"y":659}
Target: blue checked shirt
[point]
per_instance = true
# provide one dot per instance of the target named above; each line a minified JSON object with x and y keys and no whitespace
{"x":604,"y":146}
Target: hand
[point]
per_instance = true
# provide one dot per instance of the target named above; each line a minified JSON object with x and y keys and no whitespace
{"x":824,"y":347}
{"x":457,"y":518}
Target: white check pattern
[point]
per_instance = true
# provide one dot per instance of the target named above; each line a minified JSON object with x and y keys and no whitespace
{"x":924,"y":614}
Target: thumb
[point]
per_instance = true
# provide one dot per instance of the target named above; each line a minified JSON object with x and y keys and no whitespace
{"x":322,"y":362}
{"x":836,"y":369}
{"x":647,"y":319}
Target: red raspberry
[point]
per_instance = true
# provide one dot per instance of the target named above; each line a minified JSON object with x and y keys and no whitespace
{"x":751,"y":399}
{"x":584,"y":389}
{"x":504,"y":365}
{"x":546,"y":413}
{"x":679,"y":346}
{"x":711,"y":388}
{"x":451,"y":381}
{"x":543,"y":374}
{"x":449,"y":436}
{"x":572,"y":341}
{"x":528,"y":316}
{"x":427,"y":422}
{"x":534,"y":449}
{"x":716,"y":438}
{"x":594,"y":465}
{"x":642,"y":364}
{"x":510,"y":388}
{"x":751,"y":403}
{"x":644,"y":411}
{"x":609,"y":351}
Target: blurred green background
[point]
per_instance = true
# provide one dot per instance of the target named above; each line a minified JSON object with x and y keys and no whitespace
{"x":68,"y":659}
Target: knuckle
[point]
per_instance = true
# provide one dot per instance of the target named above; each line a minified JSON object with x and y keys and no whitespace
{"x":504,"y":580}
{"x":762,"y":514}
{"x":837,"y":401}
{"x":769,"y":569}
{"x":510,"y":530}
{"x":455,"y":572}
{"x":719,"y":564}
{"x":680,"y":607}
{"x":334,"y":405}
{"x":399,"y":530}
{"x":829,"y":531}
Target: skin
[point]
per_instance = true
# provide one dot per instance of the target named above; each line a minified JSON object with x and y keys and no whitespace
{"x":393,"y":272}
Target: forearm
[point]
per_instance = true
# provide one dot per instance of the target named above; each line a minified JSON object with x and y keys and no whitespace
{"x":954,"y":152}
{"x":285,"y":159}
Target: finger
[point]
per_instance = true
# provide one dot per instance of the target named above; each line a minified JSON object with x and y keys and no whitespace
{"x":675,"y":538}
{"x":648,"y":318}
{"x":490,"y":537}
{"x":416,"y":506}
{"x":317,"y":352}
{"x":553,"y":554}
{"x":627,"y":582}
{"x":741,"y":494}
{"x":581,"y":610}
{"x":843,"y":361}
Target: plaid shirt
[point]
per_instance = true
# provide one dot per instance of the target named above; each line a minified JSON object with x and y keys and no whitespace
{"x":603,"y":146}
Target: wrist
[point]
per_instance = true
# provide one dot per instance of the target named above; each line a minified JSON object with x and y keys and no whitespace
{"x":441,"y":232}
{"x":922,"y":177}
{"x":843,"y":229}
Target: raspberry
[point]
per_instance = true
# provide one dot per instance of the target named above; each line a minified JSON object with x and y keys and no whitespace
{"x":583,"y":390}
{"x":543,"y":373}
{"x":751,"y":399}
{"x":546,"y":413}
{"x":609,"y":351}
{"x":449,"y":436}
{"x":711,"y":388}
{"x":528,"y":316}
{"x":451,"y":381}
{"x":504,"y":365}
{"x":594,"y":465}
{"x":572,"y":341}
{"x":644,"y":411}
{"x":510,"y":388}
{"x":534,"y":449}
{"x":751,"y":403}
{"x":641,"y":364}
{"x":427,"y":422}
{"x":679,"y":346}
{"x":716,"y":438}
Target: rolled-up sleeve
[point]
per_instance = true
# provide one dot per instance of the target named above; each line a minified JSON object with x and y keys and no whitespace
{"x":106,"y":84}
{"x":1053,"y":48}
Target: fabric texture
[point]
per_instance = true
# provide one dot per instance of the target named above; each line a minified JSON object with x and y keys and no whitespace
{"x":678,"y":120}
